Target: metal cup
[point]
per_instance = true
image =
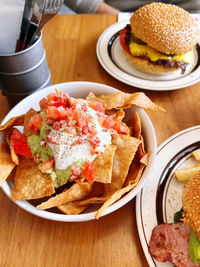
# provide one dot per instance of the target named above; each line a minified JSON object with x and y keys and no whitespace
{"x":24,"y":72}
{"x":14,"y":98}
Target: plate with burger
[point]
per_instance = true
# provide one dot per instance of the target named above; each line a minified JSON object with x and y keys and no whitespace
{"x":157,"y":49}
{"x":167,"y":208}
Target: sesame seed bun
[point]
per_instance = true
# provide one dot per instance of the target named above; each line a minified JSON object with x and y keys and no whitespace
{"x":191,"y":204}
{"x":165,"y":27}
{"x":146,"y":66}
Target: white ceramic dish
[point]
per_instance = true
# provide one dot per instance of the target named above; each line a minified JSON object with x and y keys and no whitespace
{"x":161,"y":196}
{"x":113,"y":60}
{"x":81,"y":89}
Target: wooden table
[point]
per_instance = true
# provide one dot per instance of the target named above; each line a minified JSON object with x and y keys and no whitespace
{"x":26,"y":240}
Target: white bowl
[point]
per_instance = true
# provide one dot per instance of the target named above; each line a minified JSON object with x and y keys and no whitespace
{"x":81,"y":89}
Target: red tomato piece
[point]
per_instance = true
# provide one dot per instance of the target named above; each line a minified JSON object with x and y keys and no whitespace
{"x":49,"y":100}
{"x":101,"y":120}
{"x":52,"y":112}
{"x":47,"y":165}
{"x":57,"y":100}
{"x":43,"y":102}
{"x":122,"y":37}
{"x":56,"y":113}
{"x":52,"y":97}
{"x":89,"y":171}
{"x":112,"y":123}
{"x":97,"y":106}
{"x":109,"y":122}
{"x":76,"y":171}
{"x":61,"y":103}
{"x":120,"y":128}
{"x":19,"y":144}
{"x":91,"y":129}
{"x":81,"y":121}
{"x":35,"y":123}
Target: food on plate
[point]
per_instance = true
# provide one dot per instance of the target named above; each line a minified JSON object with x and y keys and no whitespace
{"x":169,"y":242}
{"x":75,"y":152}
{"x":191,"y":207}
{"x":194,"y":248}
{"x":185,"y":174}
{"x":160,"y":38}
{"x":176,"y":243}
{"x":179,"y":242}
{"x":196,"y":154}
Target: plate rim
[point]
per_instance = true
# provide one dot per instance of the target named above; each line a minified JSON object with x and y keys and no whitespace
{"x":151,"y":261}
{"x":139,"y":81}
{"x":91,"y":215}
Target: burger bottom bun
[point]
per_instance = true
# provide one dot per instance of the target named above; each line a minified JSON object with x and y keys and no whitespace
{"x":145,"y":66}
{"x":191,"y":207}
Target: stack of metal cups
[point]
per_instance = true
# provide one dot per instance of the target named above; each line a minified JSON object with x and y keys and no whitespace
{"x":24,"y":72}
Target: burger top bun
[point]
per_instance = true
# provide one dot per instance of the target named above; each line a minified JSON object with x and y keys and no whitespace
{"x":165,"y":27}
{"x":191,"y":207}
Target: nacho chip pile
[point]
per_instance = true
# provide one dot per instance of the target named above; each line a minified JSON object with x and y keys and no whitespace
{"x":116,"y":171}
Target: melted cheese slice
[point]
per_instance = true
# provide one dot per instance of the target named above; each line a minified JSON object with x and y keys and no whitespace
{"x":153,"y":55}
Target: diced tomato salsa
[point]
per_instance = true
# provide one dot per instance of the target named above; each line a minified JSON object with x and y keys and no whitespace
{"x":61,"y":110}
{"x":60,"y":107}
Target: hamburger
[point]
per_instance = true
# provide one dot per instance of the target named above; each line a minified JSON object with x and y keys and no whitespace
{"x":191,"y":204}
{"x":191,"y":216}
{"x":160,"y":38}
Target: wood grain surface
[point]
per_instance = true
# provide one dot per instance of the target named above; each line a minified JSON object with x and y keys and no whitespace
{"x":27,"y":240}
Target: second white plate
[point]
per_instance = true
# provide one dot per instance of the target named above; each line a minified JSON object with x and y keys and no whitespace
{"x":113,"y":60}
{"x":162,"y":195}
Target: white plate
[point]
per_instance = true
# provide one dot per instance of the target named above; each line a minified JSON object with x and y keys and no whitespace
{"x":82,"y":89}
{"x":111,"y":57}
{"x":161,"y":196}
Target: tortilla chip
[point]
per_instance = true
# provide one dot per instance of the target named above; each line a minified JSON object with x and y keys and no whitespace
{"x":72,"y":208}
{"x":30,"y":182}
{"x":76,"y":192}
{"x":126,"y":149}
{"x":118,"y":114}
{"x":145,"y":159}
{"x":103,"y":165}
{"x":93,"y":200}
{"x":135,"y":170}
{"x":6,"y":164}
{"x":95,"y":195}
{"x":97,"y":189}
{"x":14,"y":156}
{"x":135,"y":124}
{"x":137,"y":166}
{"x":8,"y":134}
{"x":11,"y":176}
{"x":124,"y":101}
{"x":130,"y":130}
{"x":116,"y":196}
{"x":15,"y":121}
{"x":27,"y":117}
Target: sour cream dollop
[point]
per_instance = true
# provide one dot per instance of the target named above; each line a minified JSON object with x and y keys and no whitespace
{"x":71,"y":144}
